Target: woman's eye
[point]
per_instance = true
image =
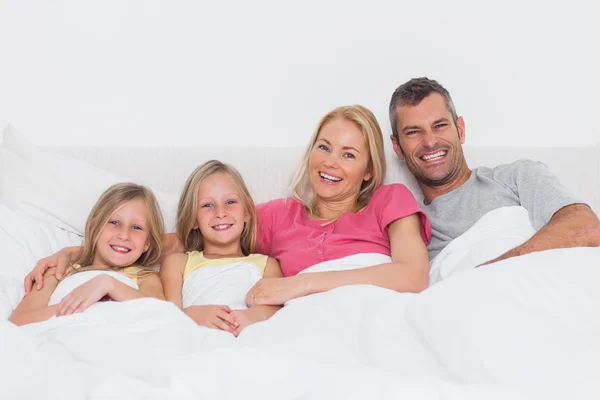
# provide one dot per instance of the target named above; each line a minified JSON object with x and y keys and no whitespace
{"x":323,"y":147}
{"x":349,"y":156}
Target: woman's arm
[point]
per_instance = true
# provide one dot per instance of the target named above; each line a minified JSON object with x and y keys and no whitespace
{"x":171,"y":275}
{"x":58,"y":262}
{"x":258,"y":313}
{"x":34,"y":306}
{"x":408,"y":271}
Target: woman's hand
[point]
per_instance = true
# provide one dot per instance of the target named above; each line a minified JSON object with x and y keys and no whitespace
{"x":215,"y":317}
{"x":85,"y":295}
{"x":60,"y":260}
{"x":276,"y":291}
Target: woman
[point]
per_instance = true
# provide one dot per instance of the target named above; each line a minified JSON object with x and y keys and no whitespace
{"x":339,"y":208}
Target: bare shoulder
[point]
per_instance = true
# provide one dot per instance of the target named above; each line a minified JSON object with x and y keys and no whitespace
{"x":175,"y":260}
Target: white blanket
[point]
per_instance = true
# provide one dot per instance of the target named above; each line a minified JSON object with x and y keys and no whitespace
{"x":494,"y":234}
{"x":220,"y":284}
{"x":523,"y":328}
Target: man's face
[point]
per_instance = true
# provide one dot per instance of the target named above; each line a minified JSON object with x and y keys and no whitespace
{"x":429,"y":141}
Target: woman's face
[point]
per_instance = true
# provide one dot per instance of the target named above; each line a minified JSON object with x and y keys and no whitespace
{"x":339,"y":161}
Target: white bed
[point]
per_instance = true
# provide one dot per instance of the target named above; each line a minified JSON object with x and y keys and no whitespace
{"x":523,"y":328}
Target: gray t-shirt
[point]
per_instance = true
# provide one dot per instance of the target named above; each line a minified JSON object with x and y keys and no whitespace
{"x":522,"y":183}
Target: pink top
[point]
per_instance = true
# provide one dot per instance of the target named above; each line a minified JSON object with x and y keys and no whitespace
{"x":285,"y":231}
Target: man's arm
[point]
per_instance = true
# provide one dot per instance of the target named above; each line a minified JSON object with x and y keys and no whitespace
{"x":575,"y":225}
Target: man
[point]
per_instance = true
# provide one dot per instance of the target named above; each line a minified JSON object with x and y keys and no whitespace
{"x":428,"y":135}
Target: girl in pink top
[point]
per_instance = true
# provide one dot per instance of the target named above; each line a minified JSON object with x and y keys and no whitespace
{"x":340,"y":208}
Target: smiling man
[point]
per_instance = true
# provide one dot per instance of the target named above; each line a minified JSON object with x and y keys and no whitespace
{"x":428,"y":134}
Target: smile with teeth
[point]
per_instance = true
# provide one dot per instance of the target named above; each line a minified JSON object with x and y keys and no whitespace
{"x":435,"y":156}
{"x":222,"y":227}
{"x":330,"y":178}
{"x":120,"y":249}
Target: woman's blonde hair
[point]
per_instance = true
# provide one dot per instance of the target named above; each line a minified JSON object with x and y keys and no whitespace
{"x":109,"y":202}
{"x":368,"y":125}
{"x":187,"y":211}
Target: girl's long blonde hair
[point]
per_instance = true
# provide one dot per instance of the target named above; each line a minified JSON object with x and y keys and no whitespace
{"x":187,"y":211}
{"x":109,"y":202}
{"x":368,"y":125}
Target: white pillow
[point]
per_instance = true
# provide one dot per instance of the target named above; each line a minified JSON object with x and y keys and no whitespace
{"x":55,"y":188}
{"x":23,"y":241}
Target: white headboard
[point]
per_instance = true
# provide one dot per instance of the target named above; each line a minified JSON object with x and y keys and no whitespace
{"x":268,"y":170}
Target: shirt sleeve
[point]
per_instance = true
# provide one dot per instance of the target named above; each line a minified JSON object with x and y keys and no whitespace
{"x":266,"y":213}
{"x":398,"y":202}
{"x":538,"y":189}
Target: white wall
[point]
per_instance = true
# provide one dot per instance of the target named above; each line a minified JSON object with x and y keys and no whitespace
{"x":124,"y":72}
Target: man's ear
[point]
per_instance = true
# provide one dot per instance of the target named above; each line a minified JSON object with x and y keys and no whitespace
{"x":460,"y":126}
{"x":397,"y":148}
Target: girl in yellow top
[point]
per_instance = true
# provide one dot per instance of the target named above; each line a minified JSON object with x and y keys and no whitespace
{"x":216,"y":223}
{"x":122,"y":239}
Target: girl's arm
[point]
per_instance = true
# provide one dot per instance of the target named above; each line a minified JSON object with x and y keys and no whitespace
{"x":95,"y":289}
{"x":34,"y":306}
{"x":171,"y":275}
{"x":408,"y":271}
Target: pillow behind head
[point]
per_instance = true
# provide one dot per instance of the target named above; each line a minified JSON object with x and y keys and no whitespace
{"x":57,"y":189}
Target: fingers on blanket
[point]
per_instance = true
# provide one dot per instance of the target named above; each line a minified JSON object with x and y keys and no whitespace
{"x":70,"y":305}
{"x":225,"y":315}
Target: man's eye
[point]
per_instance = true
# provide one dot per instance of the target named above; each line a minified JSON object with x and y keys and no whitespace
{"x":440,"y":126}
{"x":411,"y":133}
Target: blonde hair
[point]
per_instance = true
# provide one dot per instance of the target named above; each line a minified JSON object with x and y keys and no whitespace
{"x":187,"y":211}
{"x":109,"y":202}
{"x":368,"y":125}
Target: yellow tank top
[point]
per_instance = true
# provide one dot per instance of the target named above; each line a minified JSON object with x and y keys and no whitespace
{"x":196,"y":260}
{"x":131,"y":272}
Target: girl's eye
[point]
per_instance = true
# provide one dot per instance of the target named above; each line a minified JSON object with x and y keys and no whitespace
{"x":230,"y":202}
{"x":206,"y":205}
{"x":113,"y":222}
{"x":137,"y":227}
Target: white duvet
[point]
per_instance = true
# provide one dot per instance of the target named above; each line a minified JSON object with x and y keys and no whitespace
{"x":527,"y":327}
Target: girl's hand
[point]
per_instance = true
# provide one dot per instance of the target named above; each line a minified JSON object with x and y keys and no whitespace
{"x":276,"y":291}
{"x":84,"y":296}
{"x":215,"y":317}
{"x":245,"y":318}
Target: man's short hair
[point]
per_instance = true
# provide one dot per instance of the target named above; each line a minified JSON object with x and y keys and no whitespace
{"x":412,"y":93}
